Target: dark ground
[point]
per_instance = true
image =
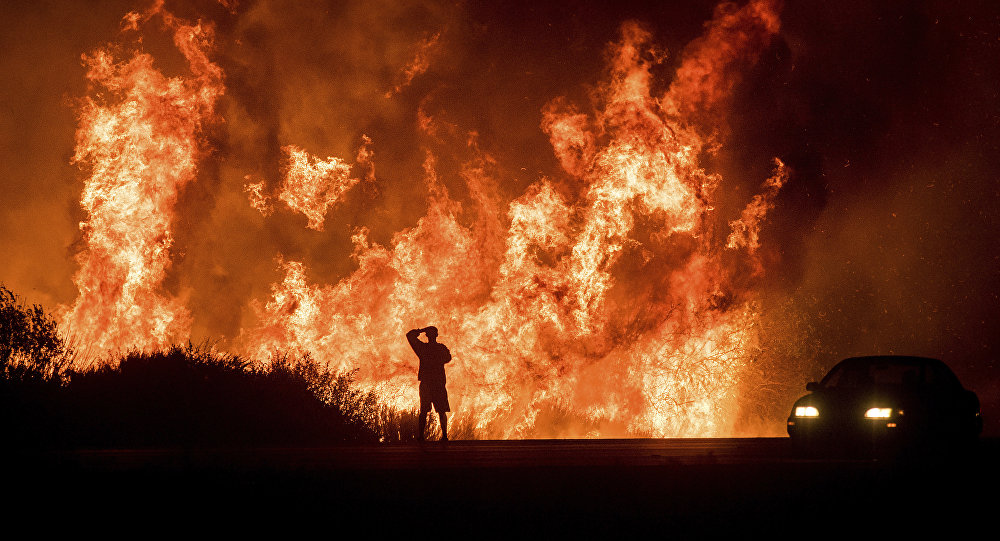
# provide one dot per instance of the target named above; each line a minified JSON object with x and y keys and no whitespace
{"x":487,"y":489}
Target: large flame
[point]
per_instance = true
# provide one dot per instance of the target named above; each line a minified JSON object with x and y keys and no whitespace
{"x":141,"y":141}
{"x":574,"y":314}
{"x":599,"y":304}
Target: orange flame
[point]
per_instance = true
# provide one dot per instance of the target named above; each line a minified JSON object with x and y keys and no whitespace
{"x":311,"y":186}
{"x":593,"y":305}
{"x":746,"y":230}
{"x":421,"y":63}
{"x":573,"y":313}
{"x":141,"y":142}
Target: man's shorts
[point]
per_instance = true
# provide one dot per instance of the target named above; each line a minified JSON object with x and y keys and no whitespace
{"x":435,"y":394}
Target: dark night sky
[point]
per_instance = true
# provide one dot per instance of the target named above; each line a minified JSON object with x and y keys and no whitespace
{"x":888,"y":113}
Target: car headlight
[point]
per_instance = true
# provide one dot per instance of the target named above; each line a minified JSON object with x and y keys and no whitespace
{"x":878,"y":413}
{"x":806,"y":411}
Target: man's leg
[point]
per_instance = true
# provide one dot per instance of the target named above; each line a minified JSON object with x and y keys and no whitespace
{"x":443,"y":417}
{"x":425,"y":410}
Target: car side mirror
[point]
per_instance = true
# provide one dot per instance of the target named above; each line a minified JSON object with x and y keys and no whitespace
{"x":812,"y":386}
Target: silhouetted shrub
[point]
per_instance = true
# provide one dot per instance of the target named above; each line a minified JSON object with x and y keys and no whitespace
{"x":183,"y":396}
{"x":30,"y":347}
{"x":33,"y":359}
{"x":192,"y":397}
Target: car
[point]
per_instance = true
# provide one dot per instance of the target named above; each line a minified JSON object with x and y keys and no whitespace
{"x":885,"y":400}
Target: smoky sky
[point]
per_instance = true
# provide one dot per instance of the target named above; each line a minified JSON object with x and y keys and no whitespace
{"x":887,"y":114}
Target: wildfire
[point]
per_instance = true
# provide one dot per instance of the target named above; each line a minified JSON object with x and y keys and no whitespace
{"x":140,"y":139}
{"x":560,"y":324}
{"x":604,"y":310}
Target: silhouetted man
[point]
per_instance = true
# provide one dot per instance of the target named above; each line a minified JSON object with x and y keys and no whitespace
{"x":433,"y":356}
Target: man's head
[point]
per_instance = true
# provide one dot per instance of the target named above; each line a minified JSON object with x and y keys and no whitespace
{"x":431,"y":332}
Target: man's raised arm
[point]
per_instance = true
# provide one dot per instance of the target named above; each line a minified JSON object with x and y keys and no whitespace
{"x":411,"y":337}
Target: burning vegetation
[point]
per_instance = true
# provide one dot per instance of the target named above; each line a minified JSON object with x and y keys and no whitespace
{"x":615,"y":295}
{"x":607,"y":295}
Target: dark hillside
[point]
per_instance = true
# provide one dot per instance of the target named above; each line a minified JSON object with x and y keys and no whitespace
{"x":180,"y":397}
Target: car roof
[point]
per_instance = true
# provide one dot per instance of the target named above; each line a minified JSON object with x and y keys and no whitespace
{"x":935,"y":365}
{"x":890,"y":359}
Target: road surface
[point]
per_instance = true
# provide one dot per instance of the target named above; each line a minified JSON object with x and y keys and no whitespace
{"x":593,"y":488}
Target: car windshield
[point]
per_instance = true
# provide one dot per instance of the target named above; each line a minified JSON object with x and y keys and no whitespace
{"x":873,"y":374}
